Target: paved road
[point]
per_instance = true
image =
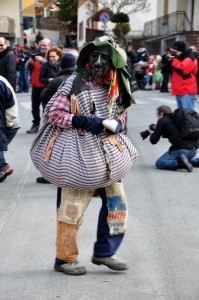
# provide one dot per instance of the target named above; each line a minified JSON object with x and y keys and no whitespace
{"x":162,"y":239}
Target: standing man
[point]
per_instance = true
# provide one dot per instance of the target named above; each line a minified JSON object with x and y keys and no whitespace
{"x":184,"y":67}
{"x":35,"y":64}
{"x":7,"y":63}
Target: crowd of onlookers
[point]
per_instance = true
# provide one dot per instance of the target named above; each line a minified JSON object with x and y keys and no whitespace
{"x":150,"y":71}
{"x":36,"y":64}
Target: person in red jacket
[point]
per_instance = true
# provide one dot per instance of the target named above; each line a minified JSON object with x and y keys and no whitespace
{"x":184,"y":67}
{"x":35,"y":64}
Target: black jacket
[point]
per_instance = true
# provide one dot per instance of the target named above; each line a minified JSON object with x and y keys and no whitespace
{"x":54,"y":84}
{"x":166,"y":64}
{"x":166,"y":128}
{"x":48,"y":70}
{"x":8,"y":66}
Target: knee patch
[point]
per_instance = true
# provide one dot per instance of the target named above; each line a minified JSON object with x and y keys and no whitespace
{"x":73,"y":205}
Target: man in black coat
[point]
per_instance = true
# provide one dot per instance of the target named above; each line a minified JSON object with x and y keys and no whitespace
{"x":7,"y":63}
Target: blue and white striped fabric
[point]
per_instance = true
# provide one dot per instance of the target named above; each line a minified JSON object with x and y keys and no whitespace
{"x":79,"y":161}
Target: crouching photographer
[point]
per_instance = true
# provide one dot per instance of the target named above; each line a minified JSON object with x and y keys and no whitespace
{"x":181,"y":154}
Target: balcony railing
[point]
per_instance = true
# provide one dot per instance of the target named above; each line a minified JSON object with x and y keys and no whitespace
{"x":7,"y":26}
{"x":173,"y":23}
{"x":136,"y":33}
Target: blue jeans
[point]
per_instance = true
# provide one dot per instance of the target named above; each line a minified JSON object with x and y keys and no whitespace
{"x":170,"y":159}
{"x":10,"y":133}
{"x":185,"y":101}
{"x":106,"y":244}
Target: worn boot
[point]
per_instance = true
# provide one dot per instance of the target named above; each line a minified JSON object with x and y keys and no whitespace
{"x":112,"y":262}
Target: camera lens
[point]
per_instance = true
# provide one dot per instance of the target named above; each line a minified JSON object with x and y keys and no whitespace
{"x":144,"y":134}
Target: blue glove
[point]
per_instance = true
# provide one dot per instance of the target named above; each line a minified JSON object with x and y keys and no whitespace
{"x":93,"y":125}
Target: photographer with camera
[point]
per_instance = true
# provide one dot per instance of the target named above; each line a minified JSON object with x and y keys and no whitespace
{"x":181,"y":154}
{"x":184,"y":67}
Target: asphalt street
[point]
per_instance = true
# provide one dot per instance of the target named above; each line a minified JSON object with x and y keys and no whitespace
{"x":162,"y":239}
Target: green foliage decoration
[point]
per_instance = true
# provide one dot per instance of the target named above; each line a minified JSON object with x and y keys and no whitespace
{"x":120,"y":18}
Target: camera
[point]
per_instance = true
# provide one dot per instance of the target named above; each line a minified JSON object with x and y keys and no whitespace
{"x":170,"y":54}
{"x":144,"y":134}
{"x":33,"y":56}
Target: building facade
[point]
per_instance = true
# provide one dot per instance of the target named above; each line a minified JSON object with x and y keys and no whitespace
{"x":176,"y":20}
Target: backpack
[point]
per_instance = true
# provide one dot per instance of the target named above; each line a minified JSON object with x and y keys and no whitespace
{"x":187,"y":122}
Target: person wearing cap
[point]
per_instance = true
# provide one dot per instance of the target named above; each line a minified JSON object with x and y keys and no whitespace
{"x":67,"y":65}
{"x":91,"y":106}
{"x":184,"y":67}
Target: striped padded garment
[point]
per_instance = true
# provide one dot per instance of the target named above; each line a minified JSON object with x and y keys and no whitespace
{"x":79,"y":161}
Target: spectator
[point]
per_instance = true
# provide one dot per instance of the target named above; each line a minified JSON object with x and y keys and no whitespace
{"x":157,"y":78}
{"x":131,"y":59}
{"x":9,"y":124}
{"x":7,"y":63}
{"x":182,"y":152}
{"x":184,"y":67}
{"x":165,"y":67}
{"x":23,"y":81}
{"x":39,"y":37}
{"x":150,"y":72}
{"x":35,"y":64}
{"x":25,"y":38}
{"x":140,"y":72}
{"x":142,"y":54}
{"x":67,"y":67}
{"x":196,"y":54}
{"x":33,"y":47}
{"x":50,"y":68}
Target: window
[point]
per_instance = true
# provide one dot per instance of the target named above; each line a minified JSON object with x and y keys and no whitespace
{"x":81,"y":31}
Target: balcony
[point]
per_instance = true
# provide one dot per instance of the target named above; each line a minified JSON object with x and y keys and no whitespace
{"x":7,"y":26}
{"x":173,"y":23}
